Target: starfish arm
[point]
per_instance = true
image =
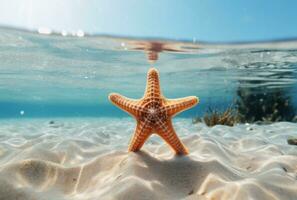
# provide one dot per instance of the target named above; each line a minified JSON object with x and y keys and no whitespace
{"x":129,"y":105}
{"x":167,"y":132}
{"x":175,"y":106}
{"x":141,"y":134}
{"x":153,"y":88}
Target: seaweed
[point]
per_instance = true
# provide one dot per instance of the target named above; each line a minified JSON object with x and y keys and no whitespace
{"x":264,"y":106}
{"x":263,"y":99}
{"x":214,"y":116}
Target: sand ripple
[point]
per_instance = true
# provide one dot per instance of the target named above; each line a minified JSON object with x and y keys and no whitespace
{"x":87,"y":159}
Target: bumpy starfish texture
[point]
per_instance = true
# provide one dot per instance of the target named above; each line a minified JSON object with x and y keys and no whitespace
{"x":153,"y":114}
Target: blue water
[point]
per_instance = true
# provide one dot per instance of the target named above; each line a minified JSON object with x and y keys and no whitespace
{"x":57,"y":76}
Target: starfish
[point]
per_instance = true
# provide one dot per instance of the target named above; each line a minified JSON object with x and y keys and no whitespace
{"x":153,"y":114}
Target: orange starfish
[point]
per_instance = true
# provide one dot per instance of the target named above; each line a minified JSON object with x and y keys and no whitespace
{"x":153,"y":114}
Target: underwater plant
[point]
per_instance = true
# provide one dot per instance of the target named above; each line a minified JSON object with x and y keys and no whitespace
{"x":262,"y":105}
{"x":214,"y":116}
{"x":259,"y":100}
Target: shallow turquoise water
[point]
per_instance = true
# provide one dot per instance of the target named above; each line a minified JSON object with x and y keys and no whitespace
{"x":70,"y":76}
{"x":60,"y":137}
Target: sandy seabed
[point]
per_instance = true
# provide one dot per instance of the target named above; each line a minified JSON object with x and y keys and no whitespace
{"x":86,"y":159}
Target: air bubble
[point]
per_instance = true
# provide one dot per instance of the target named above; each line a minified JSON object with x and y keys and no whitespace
{"x":44,"y":30}
{"x":80,"y":33}
{"x":64,"y":33}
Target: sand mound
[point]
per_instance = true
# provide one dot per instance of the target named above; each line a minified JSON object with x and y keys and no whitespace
{"x":84,"y":160}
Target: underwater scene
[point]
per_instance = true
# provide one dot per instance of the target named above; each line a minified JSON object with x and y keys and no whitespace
{"x":87,"y":117}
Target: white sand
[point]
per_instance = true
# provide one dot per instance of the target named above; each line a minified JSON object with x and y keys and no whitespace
{"x":86,"y":159}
